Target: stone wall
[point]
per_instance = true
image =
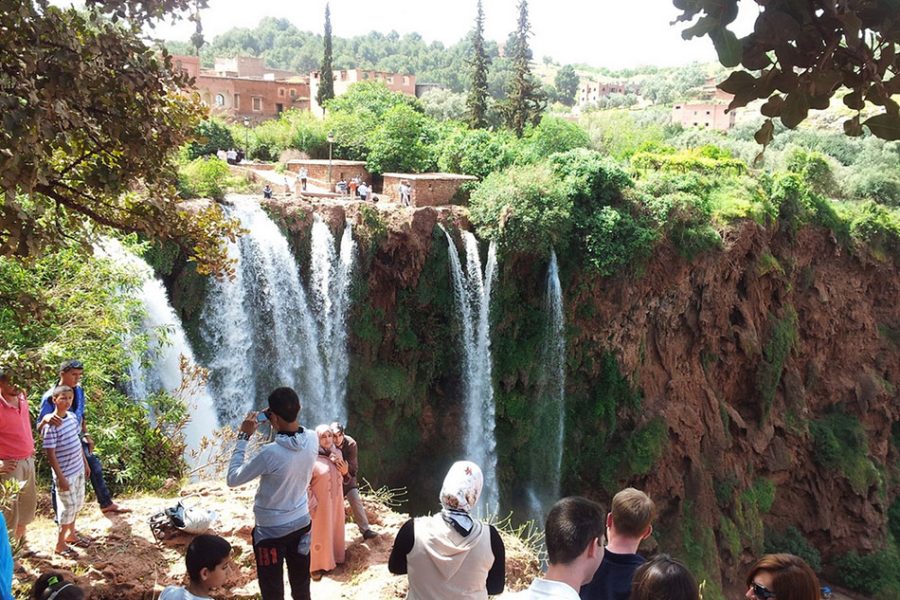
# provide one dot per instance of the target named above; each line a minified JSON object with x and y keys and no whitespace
{"x":318,"y":171}
{"x":428,"y":189}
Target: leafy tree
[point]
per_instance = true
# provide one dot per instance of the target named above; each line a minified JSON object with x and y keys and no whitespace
{"x":566,"y":82}
{"x":210,"y":136}
{"x":477,"y":152}
{"x":476,"y":103}
{"x":552,"y":135}
{"x":524,"y":100}
{"x":84,"y":146}
{"x":800,"y":54}
{"x":444,"y":105}
{"x":326,"y":76}
{"x":371,"y":96}
{"x":404,"y":142}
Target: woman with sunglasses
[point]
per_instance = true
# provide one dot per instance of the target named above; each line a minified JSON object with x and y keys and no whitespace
{"x":782,"y":577}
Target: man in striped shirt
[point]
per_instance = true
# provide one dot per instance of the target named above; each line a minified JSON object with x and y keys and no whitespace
{"x":66,"y":457}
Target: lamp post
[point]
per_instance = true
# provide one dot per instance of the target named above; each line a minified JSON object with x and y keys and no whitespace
{"x":330,"y":143}
{"x":247,"y":137}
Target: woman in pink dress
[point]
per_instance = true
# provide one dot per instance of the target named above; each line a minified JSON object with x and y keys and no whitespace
{"x":326,"y":506}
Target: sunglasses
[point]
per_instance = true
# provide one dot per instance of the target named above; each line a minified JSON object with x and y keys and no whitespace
{"x":761,"y":592}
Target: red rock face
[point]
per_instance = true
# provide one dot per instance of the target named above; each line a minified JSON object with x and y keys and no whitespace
{"x":692,"y":337}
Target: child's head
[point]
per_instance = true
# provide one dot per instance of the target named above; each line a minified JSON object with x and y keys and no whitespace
{"x":207,"y":560}
{"x":664,"y":578}
{"x":632,"y":513}
{"x":62,"y":397}
{"x":54,"y":586}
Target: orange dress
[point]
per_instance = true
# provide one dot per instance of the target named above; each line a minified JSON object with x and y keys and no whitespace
{"x":326,"y":507}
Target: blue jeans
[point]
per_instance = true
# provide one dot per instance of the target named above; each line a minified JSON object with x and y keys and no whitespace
{"x":97,"y":481}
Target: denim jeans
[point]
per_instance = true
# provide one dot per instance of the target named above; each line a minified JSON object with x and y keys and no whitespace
{"x":97,"y":481}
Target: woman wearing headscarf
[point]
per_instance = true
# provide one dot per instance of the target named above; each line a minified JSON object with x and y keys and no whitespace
{"x":450,"y":555}
{"x":326,"y":506}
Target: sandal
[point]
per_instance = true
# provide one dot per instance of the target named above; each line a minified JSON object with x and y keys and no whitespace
{"x":81,"y":541}
{"x":67,"y":553}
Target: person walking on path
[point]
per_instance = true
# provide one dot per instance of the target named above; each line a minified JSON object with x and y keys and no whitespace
{"x":17,"y":455}
{"x":450,"y":555}
{"x":348,"y":447}
{"x":70,"y":374}
{"x":281,"y":508}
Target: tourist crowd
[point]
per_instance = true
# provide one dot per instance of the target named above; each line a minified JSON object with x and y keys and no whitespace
{"x":305,"y":476}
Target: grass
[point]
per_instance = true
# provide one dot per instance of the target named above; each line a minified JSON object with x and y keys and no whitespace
{"x":781,"y":341}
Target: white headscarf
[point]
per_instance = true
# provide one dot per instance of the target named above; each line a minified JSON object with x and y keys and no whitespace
{"x":459,"y":493}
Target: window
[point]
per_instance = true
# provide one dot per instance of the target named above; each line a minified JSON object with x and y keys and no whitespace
{"x":237,"y":100}
{"x":390,"y":80}
{"x":220,"y":100}
{"x":281,"y":92}
{"x":293,"y":92}
{"x":677,"y":107}
{"x":406,"y":80}
{"x":707,"y":112}
{"x":257,"y":103}
{"x":365,"y":75}
{"x":279,"y":108}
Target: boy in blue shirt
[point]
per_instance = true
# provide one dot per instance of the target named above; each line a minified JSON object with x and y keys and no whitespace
{"x":208,"y":561}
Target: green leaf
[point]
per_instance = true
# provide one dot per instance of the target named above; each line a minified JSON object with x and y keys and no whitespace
{"x":728,"y":47}
{"x":885,"y":126}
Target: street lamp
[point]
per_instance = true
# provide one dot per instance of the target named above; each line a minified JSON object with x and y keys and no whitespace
{"x":330,"y":143}
{"x":247,"y":136}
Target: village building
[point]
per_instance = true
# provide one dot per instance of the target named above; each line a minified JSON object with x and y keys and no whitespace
{"x":427,"y":189}
{"x":243,"y":88}
{"x":591,"y":91}
{"x":708,"y":111}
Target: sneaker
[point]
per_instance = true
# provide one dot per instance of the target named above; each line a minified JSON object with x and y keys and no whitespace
{"x":368,"y":534}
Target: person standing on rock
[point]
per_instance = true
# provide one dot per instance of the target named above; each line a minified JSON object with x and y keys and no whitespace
{"x":70,"y":373}
{"x":281,"y":507}
{"x":303,"y":175}
{"x":347,"y":446}
{"x":627,"y":525}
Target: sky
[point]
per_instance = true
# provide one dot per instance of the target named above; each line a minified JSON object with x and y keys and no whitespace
{"x":602,"y":33}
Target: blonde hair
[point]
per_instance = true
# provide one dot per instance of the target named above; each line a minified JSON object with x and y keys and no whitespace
{"x":632,"y":512}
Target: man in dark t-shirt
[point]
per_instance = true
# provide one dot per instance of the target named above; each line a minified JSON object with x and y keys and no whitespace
{"x":629,"y":523}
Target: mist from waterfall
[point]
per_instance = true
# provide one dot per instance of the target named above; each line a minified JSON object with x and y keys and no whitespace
{"x":549,"y":413}
{"x":473,"y":299}
{"x":262,"y":330}
{"x":158,"y":369}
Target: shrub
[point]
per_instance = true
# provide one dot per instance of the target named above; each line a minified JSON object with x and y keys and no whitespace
{"x":878,"y":227}
{"x":792,"y":541}
{"x":815,"y":170}
{"x":708,"y":160}
{"x":203,"y":178}
{"x":878,"y":184}
{"x":840,"y":444}
{"x":476,"y":152}
{"x":686,"y":220}
{"x":523,"y":209}
{"x":870,"y":574}
{"x":590,"y":179}
{"x":614,"y":239}
{"x":210,"y":136}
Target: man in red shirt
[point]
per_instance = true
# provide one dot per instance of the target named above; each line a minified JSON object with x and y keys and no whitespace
{"x":17,"y":454}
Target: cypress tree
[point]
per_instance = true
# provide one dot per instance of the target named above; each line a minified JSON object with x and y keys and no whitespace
{"x":524,"y":99}
{"x":326,"y":76}
{"x":476,"y":103}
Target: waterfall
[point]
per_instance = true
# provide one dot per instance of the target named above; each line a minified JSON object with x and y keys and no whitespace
{"x":549,"y":414}
{"x":330,"y":277}
{"x":159,"y":370}
{"x":258,"y":327}
{"x":262,"y":330}
{"x":473,"y":296}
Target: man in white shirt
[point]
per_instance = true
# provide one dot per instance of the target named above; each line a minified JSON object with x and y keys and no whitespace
{"x":574,"y":534}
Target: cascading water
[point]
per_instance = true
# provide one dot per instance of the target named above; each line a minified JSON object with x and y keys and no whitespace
{"x":549,"y":414}
{"x":330,"y":276}
{"x":160,"y":369}
{"x":473,"y":298}
{"x":258,"y":328}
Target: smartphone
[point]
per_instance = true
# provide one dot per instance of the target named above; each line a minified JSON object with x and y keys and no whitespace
{"x":261,"y":417}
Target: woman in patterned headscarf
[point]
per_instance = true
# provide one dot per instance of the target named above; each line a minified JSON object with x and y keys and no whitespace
{"x":451,"y":555}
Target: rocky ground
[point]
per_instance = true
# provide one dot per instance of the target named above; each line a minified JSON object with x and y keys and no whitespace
{"x":125,"y":562}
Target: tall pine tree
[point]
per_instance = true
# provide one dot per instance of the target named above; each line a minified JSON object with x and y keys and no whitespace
{"x":524,"y":99}
{"x":476,"y":103}
{"x":326,"y":76}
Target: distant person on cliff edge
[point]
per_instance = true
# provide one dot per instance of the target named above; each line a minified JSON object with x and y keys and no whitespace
{"x":451,"y":555}
{"x":281,"y":509}
{"x":70,"y":374}
{"x":574,"y":537}
{"x":347,"y":446}
{"x":629,"y":523}
{"x":267,"y":191}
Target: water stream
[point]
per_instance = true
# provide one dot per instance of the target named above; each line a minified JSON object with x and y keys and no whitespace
{"x":473,"y":298}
